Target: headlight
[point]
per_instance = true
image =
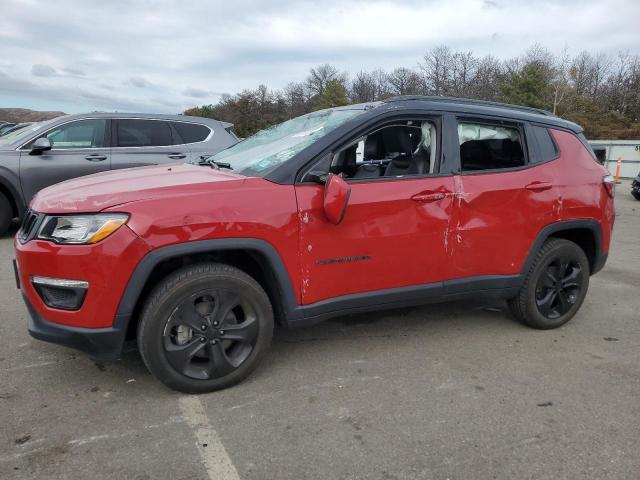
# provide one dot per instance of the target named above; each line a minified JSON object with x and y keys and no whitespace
{"x":80,"y":229}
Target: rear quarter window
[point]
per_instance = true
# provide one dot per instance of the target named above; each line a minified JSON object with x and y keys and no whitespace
{"x":547,"y":149}
{"x":191,"y":132}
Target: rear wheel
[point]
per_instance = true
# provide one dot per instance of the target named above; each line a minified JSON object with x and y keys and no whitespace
{"x":6,"y":214}
{"x":205,"y":327}
{"x":555,"y":286}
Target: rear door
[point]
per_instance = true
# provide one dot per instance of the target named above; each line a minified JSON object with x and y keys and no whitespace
{"x":505,"y":197}
{"x":79,"y":147}
{"x":138,"y":142}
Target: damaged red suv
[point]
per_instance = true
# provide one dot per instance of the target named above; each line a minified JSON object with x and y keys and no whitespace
{"x":353,"y":209}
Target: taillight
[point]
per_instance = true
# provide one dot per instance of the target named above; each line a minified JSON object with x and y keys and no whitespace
{"x":609,"y":185}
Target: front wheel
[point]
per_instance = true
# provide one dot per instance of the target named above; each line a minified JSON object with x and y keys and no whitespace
{"x":554,"y":287}
{"x":205,"y":327}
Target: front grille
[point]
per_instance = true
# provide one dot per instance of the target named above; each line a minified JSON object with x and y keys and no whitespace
{"x":29,"y":226}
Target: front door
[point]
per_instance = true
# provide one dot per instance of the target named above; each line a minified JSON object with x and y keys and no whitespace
{"x":77,"y":148}
{"x":395,"y":230}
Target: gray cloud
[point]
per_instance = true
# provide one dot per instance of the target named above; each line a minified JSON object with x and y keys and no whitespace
{"x":133,"y":62}
{"x":39,"y":70}
{"x":196,"y":93}
{"x":138,"y":82}
{"x":76,"y":72}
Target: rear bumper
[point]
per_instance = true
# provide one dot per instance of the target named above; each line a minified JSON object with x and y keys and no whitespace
{"x":101,"y":343}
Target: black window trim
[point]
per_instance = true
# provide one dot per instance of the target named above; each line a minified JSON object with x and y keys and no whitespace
{"x":495,"y":121}
{"x":538,"y":149}
{"x":366,"y":129}
{"x":107,"y":135}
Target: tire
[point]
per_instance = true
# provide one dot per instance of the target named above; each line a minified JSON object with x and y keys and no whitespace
{"x":636,"y":195}
{"x":6,"y":214}
{"x":554,"y":287}
{"x":205,"y":327}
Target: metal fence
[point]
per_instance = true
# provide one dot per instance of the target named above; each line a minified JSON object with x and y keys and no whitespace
{"x":628,"y":151}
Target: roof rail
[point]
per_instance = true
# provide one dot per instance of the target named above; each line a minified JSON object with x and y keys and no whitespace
{"x":469,"y":101}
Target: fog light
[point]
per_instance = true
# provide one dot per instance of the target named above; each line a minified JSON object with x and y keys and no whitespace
{"x":60,"y":293}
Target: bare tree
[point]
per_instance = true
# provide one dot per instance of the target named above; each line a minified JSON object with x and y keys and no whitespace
{"x":363,"y":88}
{"x":463,"y":72}
{"x":560,"y":80}
{"x":320,"y":76}
{"x":595,"y":90}
{"x":404,"y":81}
{"x":436,"y":70}
{"x":486,"y":82}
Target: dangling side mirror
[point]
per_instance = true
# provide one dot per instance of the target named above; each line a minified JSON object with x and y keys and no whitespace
{"x":336,"y":198}
{"x":40,"y":145}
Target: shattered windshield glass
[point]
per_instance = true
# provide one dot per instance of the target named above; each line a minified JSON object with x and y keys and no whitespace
{"x":264,"y":151}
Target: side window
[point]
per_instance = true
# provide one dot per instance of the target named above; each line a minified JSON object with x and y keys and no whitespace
{"x":80,"y":134}
{"x":143,"y":133}
{"x":547,"y":149}
{"x":489,"y":147}
{"x":191,"y":132}
{"x":397,"y":149}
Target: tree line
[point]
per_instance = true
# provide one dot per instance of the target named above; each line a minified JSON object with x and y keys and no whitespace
{"x":599,"y":91}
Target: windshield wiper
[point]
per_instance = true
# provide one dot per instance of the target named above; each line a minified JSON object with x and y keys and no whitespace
{"x":205,"y":160}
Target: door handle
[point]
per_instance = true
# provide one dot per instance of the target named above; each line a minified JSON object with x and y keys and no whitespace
{"x":96,"y":157}
{"x":177,"y":156}
{"x":428,"y":196}
{"x":538,"y":186}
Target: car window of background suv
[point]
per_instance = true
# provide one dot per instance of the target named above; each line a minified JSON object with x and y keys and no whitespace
{"x":143,"y":133}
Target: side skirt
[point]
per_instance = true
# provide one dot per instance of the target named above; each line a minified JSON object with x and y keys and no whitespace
{"x":490,"y":286}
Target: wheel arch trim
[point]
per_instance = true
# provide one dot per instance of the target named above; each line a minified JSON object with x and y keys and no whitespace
{"x":146,"y":266}
{"x":15,"y":196}
{"x":564,"y":226}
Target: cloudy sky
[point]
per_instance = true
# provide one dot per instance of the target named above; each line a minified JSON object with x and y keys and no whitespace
{"x":167,"y":55}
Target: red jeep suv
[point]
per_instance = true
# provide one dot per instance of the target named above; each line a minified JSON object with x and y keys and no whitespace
{"x":352,"y":209}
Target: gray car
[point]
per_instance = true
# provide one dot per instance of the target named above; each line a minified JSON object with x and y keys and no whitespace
{"x":71,"y":146}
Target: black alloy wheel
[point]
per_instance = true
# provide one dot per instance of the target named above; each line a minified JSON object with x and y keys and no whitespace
{"x":554,"y":286}
{"x":205,"y":327}
{"x":210,"y":334}
{"x":559,"y":288}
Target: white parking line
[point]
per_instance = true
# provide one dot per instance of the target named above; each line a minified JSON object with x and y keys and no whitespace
{"x":214,"y":456}
{"x":32,"y":365}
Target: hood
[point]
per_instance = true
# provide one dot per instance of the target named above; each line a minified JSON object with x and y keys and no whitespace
{"x":94,"y":193}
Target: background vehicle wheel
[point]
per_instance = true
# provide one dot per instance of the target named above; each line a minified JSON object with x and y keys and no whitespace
{"x":205,"y":327}
{"x":6,"y":214}
{"x":636,"y":195}
{"x":555,"y":286}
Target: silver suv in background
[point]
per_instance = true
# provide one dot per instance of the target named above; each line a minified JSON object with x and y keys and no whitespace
{"x":71,"y":146}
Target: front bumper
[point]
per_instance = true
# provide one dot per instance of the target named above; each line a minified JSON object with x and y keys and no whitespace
{"x":100,"y":343}
{"x":106,"y":267}
{"x":95,"y":326}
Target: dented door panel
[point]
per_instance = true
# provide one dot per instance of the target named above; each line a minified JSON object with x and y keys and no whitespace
{"x":386,"y":239}
{"x":496,"y":220}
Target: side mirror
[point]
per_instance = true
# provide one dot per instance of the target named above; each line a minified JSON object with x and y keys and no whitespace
{"x":336,"y":198}
{"x":40,"y":145}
